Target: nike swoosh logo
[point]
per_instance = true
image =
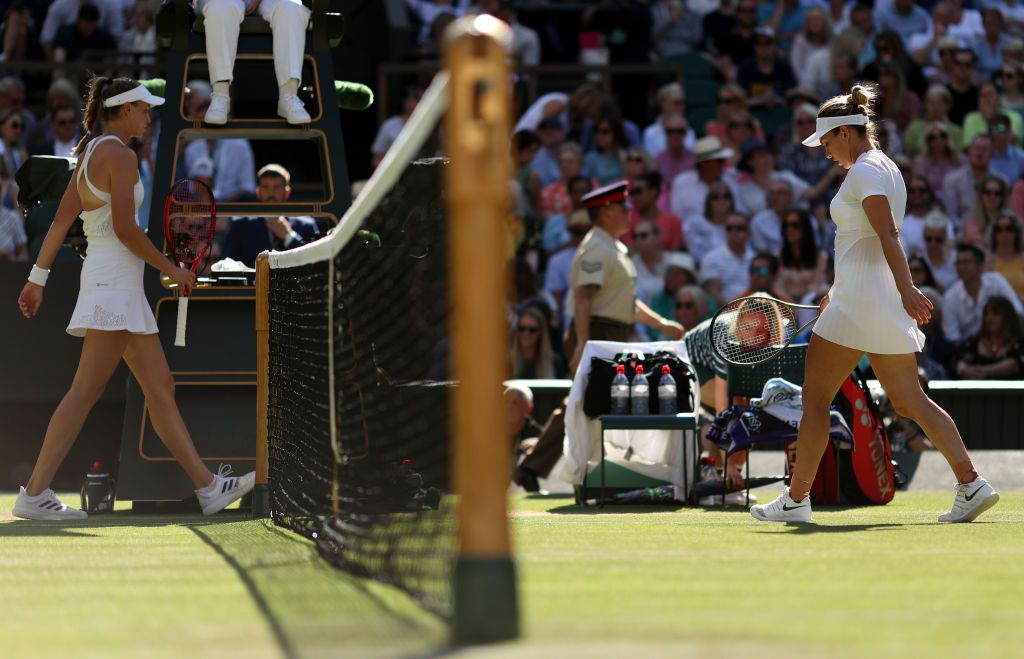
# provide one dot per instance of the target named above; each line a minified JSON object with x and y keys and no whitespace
{"x":788,"y":508}
{"x":971,"y":495}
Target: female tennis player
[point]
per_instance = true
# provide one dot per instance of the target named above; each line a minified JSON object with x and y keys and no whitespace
{"x":112,"y":313}
{"x":873,"y":308}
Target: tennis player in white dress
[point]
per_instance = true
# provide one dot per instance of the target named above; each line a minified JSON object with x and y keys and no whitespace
{"x":873,"y":308}
{"x":112,"y":313}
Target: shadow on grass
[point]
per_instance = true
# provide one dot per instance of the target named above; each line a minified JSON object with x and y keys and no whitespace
{"x":615,"y":509}
{"x":795,"y":528}
{"x":23,"y":528}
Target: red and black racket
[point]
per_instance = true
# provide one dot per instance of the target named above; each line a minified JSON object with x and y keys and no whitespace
{"x":190,"y":219}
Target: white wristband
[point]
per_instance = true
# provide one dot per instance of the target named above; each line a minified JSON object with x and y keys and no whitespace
{"x":38,"y":275}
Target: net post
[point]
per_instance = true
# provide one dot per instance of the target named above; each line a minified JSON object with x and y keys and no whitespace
{"x":261,"y":492}
{"x":478,"y":126}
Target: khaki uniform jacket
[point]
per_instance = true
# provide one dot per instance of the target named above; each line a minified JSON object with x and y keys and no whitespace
{"x":603,"y":261}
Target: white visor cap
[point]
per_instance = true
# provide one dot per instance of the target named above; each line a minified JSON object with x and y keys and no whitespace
{"x":826,"y":124}
{"x":139,"y":93}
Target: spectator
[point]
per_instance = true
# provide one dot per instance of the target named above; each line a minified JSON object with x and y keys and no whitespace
{"x":643,"y":192}
{"x":604,"y":162}
{"x":937,"y":102}
{"x":12,"y":127}
{"x":66,"y":13}
{"x":248,"y":236}
{"x":802,"y":262}
{"x":555,"y":233}
{"x":648,"y":259}
{"x":12,"y":226}
{"x":676,"y":29}
{"x":940,"y":157}
{"x":920,"y":273}
{"x":810,"y":163}
{"x":834,"y":71}
{"x":964,"y":300}
{"x":961,"y":86}
{"x":964,"y":24}
{"x":392,"y":126}
{"x":862,"y":19}
{"x":197,"y":99}
{"x":671,"y":104}
{"x":64,"y":127}
{"x":738,"y":47}
{"x":525,"y":45}
{"x":1004,"y":241}
{"x":519,"y":405}
{"x":960,"y":186}
{"x":525,"y":146}
{"x":725,"y":270}
{"x":933,"y":50}
{"x":84,"y":34}
{"x":889,"y":52}
{"x":989,"y":48}
{"x":1013,"y":14}
{"x":718,"y":26}
{"x":896,"y":103}
{"x":741,"y":129}
{"x":992,"y":197}
{"x":61,"y":93}
{"x":553,"y":105}
{"x":732,"y":103}
{"x":559,"y":267}
{"x":12,"y":97}
{"x":905,"y":18}
{"x":920,"y":202}
{"x":141,"y":37}
{"x":784,"y":17}
{"x":766,"y":226}
{"x":1011,"y":86}
{"x":766,"y":77}
{"x":17,"y":31}
{"x":939,"y":354}
{"x":941,"y":259}
{"x":676,"y":158}
{"x":816,"y":36}
{"x":531,"y":355}
{"x":588,"y":105}
{"x":555,"y":198}
{"x":764,"y":277}
{"x":233,"y":168}
{"x":551,"y":133}
{"x":978,"y":122}
{"x":706,"y":232}
{"x":680,"y":274}
{"x":994,"y":352}
{"x":757,"y":173}
{"x":689,"y":189}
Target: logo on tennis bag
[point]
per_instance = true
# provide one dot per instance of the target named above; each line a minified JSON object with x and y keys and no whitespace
{"x":866,"y":475}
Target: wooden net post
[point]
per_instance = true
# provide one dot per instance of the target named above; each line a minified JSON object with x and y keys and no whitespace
{"x":261,"y":493}
{"x":477,"y":129}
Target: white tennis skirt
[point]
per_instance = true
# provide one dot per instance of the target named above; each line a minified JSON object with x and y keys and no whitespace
{"x":110,"y":296}
{"x":866,"y":311}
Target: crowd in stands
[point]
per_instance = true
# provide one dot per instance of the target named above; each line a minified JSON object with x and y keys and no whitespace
{"x":727,"y":201}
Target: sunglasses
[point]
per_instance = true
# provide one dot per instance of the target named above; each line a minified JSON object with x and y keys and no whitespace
{"x":741,"y":124}
{"x":999,"y":128}
{"x":916,"y":189}
{"x":806,"y":122}
{"x":529,"y":329}
{"x":762,"y":271}
{"x":685,"y":305}
{"x":65,"y":122}
{"x":640,"y":235}
{"x":735,"y":227}
{"x":991,"y":192}
{"x":1008,"y":75}
{"x":746,"y":10}
{"x":604,"y":131}
{"x":934,"y":239}
{"x":719,"y":195}
{"x":791,"y":225}
{"x":579,"y":231}
{"x":916,"y":268}
{"x":960,"y":62}
{"x":727,"y":100}
{"x":936,"y":136}
{"x":1005,"y":228}
{"x":16,"y":125}
{"x":675,"y":131}
{"x":637,"y":191}
{"x":635,"y":158}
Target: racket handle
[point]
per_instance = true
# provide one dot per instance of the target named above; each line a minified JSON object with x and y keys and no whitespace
{"x":179,"y":334}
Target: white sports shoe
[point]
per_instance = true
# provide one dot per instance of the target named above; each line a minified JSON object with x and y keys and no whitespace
{"x":217,"y":113}
{"x":971,"y":500}
{"x":783,"y":509}
{"x":44,"y":506}
{"x":291,"y":108}
{"x":224,"y":491}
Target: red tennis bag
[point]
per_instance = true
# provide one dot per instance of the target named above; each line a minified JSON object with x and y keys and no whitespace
{"x":866,"y":475}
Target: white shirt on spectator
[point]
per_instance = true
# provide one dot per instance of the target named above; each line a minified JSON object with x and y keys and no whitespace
{"x":65,"y":12}
{"x":766,"y":232}
{"x":945,"y":273}
{"x":702,"y":236}
{"x":969,"y":28}
{"x":732,"y":272}
{"x":12,"y":232}
{"x":655,"y":141}
{"x":525,"y":45}
{"x":751,"y":198}
{"x":557,"y":277}
{"x":689,"y":193}
{"x":649,"y":282}
{"x":234,"y":168}
{"x":63,"y":149}
{"x":961,"y":314}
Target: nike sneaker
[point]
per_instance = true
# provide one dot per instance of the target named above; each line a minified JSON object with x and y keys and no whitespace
{"x":971,"y":500}
{"x":783,"y":509}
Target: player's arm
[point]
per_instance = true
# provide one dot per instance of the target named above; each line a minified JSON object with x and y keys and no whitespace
{"x":880,"y":215}
{"x":647,"y":316}
{"x":122,"y":207}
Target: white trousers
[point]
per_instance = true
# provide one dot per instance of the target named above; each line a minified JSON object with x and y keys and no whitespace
{"x":288,"y":20}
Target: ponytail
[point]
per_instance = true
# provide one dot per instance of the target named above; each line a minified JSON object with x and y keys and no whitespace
{"x":100,"y":88}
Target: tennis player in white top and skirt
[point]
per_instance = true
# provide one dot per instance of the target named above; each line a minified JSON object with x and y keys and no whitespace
{"x":873,"y":308}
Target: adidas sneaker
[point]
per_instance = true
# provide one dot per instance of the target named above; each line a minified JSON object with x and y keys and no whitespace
{"x":44,"y":506}
{"x":224,"y":490}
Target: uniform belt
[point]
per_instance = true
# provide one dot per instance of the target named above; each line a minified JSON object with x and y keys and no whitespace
{"x":608,"y":322}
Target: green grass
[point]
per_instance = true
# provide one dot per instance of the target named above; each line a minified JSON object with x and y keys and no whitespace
{"x":623,"y":582}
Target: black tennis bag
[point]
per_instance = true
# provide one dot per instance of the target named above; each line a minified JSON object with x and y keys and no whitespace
{"x":597,"y":399}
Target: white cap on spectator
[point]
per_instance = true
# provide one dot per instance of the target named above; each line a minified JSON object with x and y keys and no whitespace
{"x":683,"y":261}
{"x":201,"y":168}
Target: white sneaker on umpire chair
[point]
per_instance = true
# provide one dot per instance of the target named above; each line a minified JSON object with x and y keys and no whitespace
{"x":971,"y":500}
{"x":217,"y":113}
{"x":224,"y":490}
{"x":45,"y":506}
{"x":783,"y":509}
{"x":291,"y":108}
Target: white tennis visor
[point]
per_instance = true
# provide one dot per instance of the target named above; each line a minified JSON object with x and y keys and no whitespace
{"x":139,"y":93}
{"x":826,"y":124}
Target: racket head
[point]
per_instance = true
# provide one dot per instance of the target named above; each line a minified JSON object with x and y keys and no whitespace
{"x":190,"y":221}
{"x":753,"y":330}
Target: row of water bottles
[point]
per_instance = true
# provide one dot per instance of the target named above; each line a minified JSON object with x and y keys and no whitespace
{"x":635,"y":398}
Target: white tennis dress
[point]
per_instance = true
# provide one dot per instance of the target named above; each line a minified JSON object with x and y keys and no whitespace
{"x":865,"y":311}
{"x":110,"y":295}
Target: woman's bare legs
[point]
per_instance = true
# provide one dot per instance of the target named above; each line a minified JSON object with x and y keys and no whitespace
{"x":827,"y":366}
{"x":145,"y":357}
{"x":101,"y":353}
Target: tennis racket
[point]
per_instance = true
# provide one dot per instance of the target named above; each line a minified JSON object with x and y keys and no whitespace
{"x":190,"y":218}
{"x":754,"y":330}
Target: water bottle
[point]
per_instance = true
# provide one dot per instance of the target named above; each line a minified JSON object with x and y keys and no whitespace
{"x":98,"y":490}
{"x":639,"y":392}
{"x":620,"y":391}
{"x":667,"y":400}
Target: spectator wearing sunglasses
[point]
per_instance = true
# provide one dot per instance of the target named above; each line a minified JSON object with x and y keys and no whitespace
{"x":802,"y":262}
{"x":725,"y":270}
{"x":960,"y":187}
{"x":989,"y":48}
{"x":1004,"y":243}
{"x":687,"y":308}
{"x":706,"y":232}
{"x":989,"y":107}
{"x":643,"y":193}
{"x":12,"y":126}
{"x":920,"y":202}
{"x":671,"y":103}
{"x":993,"y":196}
{"x":531,"y":355}
{"x":937,"y":103}
{"x":938,"y":252}
{"x":940,"y":157}
{"x":1011,"y":85}
{"x":965,"y":300}
{"x":648,"y":259}
{"x":64,"y":124}
{"x":764,"y":277}
{"x":605,"y":161}
{"x":766,"y":76}
{"x":1007,"y":158}
{"x":961,"y":85}
{"x":920,"y":273}
{"x":676,"y":157}
{"x":732,"y":104}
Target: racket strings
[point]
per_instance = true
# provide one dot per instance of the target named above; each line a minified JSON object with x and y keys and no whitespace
{"x":190,"y":221}
{"x":753,"y":330}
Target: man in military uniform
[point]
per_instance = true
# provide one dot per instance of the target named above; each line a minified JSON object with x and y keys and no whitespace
{"x":604,"y":307}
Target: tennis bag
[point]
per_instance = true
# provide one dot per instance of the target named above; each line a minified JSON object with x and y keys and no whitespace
{"x":597,"y":398}
{"x":867,"y":474}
